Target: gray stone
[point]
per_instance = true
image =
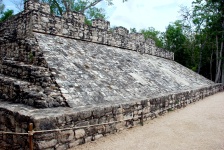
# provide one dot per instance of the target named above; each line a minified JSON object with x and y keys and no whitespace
{"x":98,"y":136}
{"x":119,"y":117}
{"x":66,"y":136}
{"x":46,"y":144}
{"x":61,"y":147}
{"x":79,"y":133}
{"x":75,"y":143}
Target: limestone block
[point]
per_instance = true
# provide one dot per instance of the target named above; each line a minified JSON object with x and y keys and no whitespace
{"x":46,"y":144}
{"x":61,"y":147}
{"x":85,"y":114}
{"x":119,"y":117}
{"x":79,"y":133}
{"x":102,"y":120}
{"x":97,"y":113}
{"x":76,"y":16}
{"x":146,"y":110}
{"x":118,"y":110}
{"x":93,"y":121}
{"x":120,"y":126}
{"x":75,"y":143}
{"x":88,"y":139}
{"x":101,"y":24}
{"x":66,"y":136}
{"x":128,"y":115}
{"x":45,"y":8}
{"x":100,"y":129}
{"x":64,"y":31}
{"x":98,"y":136}
{"x":45,"y":136}
{"x":82,"y":123}
{"x":139,"y":37}
{"x":61,"y":120}
{"x":121,"y":31}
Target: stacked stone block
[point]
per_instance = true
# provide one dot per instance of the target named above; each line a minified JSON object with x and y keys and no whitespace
{"x":24,"y":73}
{"x":101,"y":24}
{"x":72,"y":25}
{"x":80,"y":124}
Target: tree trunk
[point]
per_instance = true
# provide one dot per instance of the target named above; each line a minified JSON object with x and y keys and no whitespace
{"x":223,"y":72}
{"x":219,"y":57}
{"x":199,"y":64}
{"x":211,"y":58}
{"x":200,"y":59}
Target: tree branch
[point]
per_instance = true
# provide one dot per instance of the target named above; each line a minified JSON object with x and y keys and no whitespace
{"x":90,"y":5}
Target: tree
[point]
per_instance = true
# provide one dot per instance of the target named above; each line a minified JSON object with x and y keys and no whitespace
{"x":190,"y":45}
{"x":7,"y":14}
{"x":153,"y":34}
{"x":91,"y":12}
{"x":4,"y":14}
{"x":133,"y":30}
{"x":87,"y":7}
{"x":175,"y":41}
{"x":208,"y":16}
{"x":202,"y":27}
{"x":60,"y":6}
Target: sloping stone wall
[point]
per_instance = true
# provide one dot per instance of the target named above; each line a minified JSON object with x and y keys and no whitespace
{"x":90,"y":73}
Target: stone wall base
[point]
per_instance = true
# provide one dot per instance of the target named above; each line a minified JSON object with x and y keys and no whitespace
{"x":81,"y":125}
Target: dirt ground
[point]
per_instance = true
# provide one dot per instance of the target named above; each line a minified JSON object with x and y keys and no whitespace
{"x":199,"y":126}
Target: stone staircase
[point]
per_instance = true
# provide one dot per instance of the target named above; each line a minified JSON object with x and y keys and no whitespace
{"x":31,"y":73}
{"x":33,"y":85}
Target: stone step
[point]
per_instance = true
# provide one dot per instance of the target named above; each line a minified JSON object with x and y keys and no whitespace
{"x":18,"y":91}
{"x":35,"y":74}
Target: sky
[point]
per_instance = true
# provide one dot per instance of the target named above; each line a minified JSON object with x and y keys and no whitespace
{"x":139,"y":14}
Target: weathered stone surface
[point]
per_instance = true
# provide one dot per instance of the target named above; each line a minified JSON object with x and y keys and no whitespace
{"x":66,"y":136}
{"x":22,"y":115}
{"x":75,"y":143}
{"x":90,"y":76}
{"x":101,"y":24}
{"x":98,"y":136}
{"x":62,"y":147}
{"x":79,"y":133}
{"x":46,"y":144}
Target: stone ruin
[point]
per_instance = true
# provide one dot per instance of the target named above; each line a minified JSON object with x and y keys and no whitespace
{"x":57,"y":72}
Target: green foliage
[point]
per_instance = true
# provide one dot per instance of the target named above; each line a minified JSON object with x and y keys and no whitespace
{"x":175,"y":41}
{"x":95,"y":13}
{"x":197,"y":39}
{"x":86,"y":7}
{"x":4,"y":14}
{"x":30,"y":56}
{"x":7,"y":14}
{"x":153,"y":34}
{"x":133,"y":30}
{"x":60,"y":6}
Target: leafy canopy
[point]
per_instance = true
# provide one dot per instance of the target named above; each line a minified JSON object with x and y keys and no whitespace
{"x":4,"y":14}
